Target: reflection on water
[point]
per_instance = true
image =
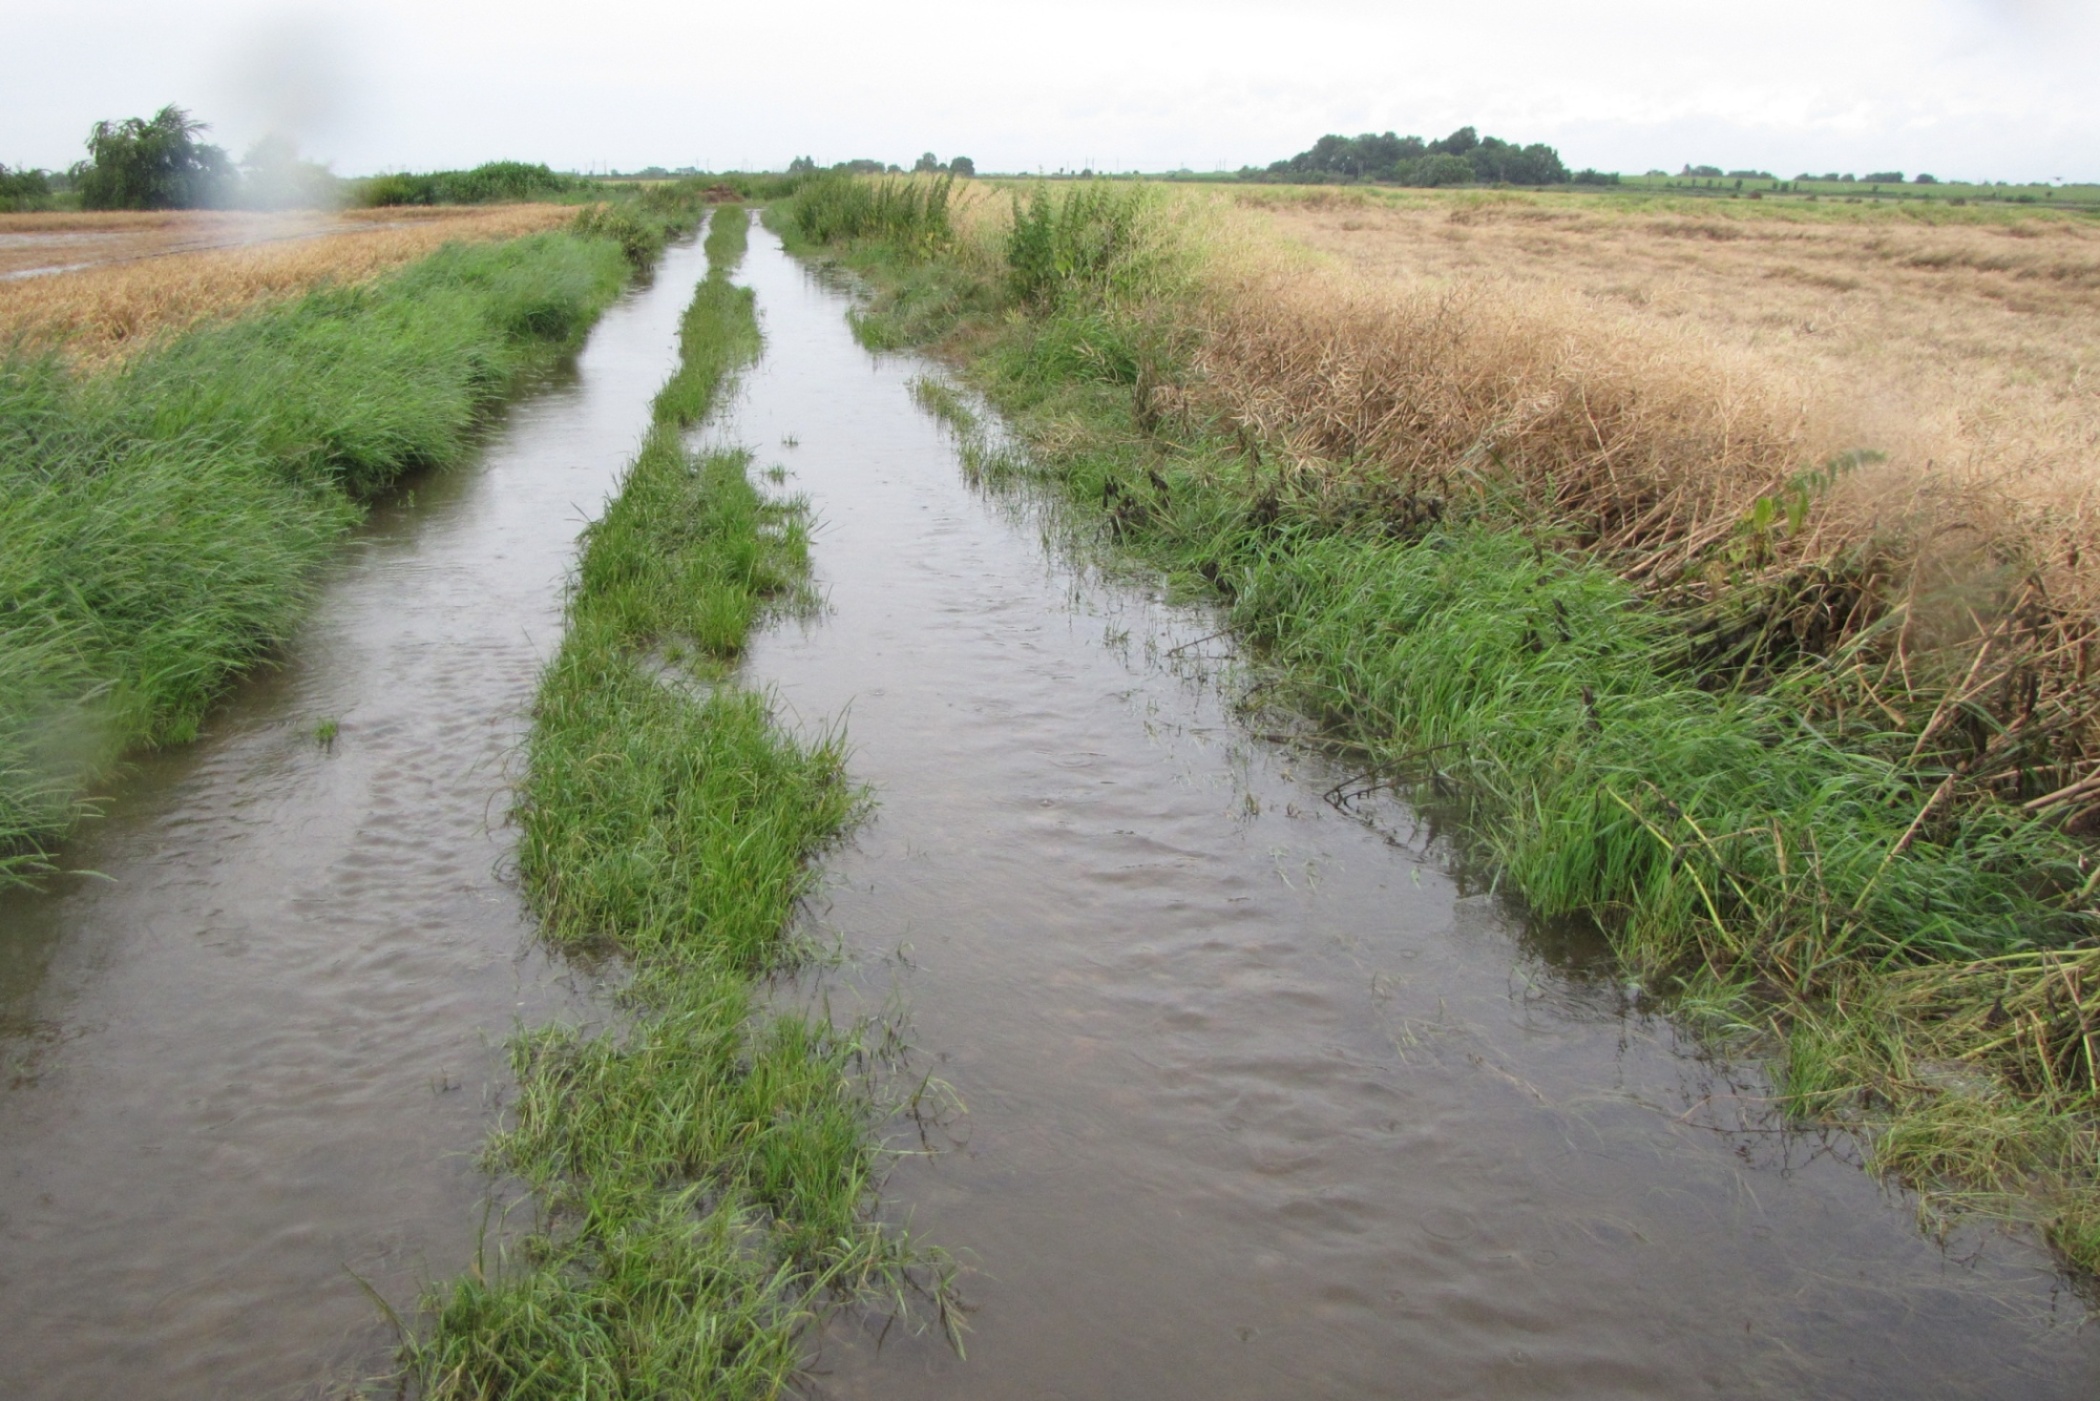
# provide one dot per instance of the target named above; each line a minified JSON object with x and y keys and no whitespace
{"x":252,"y":1067}
{"x":1261,"y":1100}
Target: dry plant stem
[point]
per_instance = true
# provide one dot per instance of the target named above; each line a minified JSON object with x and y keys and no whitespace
{"x":1961,"y":349}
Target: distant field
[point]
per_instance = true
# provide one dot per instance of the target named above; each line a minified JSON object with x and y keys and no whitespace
{"x":102,"y":285}
{"x":1866,"y":192}
{"x":1963,"y":344}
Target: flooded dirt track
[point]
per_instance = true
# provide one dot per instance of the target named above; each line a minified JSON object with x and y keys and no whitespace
{"x":1261,"y":1100}
{"x":253,"y":1065}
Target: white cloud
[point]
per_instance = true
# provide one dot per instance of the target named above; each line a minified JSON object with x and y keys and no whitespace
{"x":1993,"y":88}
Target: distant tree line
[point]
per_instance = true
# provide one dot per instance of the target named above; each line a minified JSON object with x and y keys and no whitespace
{"x":162,"y":162}
{"x":1714,"y":172}
{"x":930,"y":164}
{"x":24,"y":190}
{"x":496,"y":182}
{"x":1465,"y":157}
{"x":1879,"y":177}
{"x":927,"y":164}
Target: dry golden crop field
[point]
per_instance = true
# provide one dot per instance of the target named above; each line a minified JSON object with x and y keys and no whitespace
{"x":126,"y":279}
{"x":1652,"y":372}
{"x":1970,"y":348}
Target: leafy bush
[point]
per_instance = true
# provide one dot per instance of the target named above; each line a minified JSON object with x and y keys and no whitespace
{"x":498,"y":182}
{"x":155,"y":163}
{"x":22,"y":191}
{"x":640,"y":236}
{"x":1441,"y":170}
{"x":1078,"y":242}
{"x":911,"y":214}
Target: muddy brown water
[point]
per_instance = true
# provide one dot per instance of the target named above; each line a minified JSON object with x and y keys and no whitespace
{"x":253,"y":1065}
{"x":1259,"y":1098}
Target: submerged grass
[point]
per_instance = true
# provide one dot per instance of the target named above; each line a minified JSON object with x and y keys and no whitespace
{"x":1924,"y":967}
{"x":703,"y":1175}
{"x":159,"y":523}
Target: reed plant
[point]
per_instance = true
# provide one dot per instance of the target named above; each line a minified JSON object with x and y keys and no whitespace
{"x":1602,"y":601}
{"x":1089,"y":241}
{"x":703,"y":1174}
{"x":911,"y":214}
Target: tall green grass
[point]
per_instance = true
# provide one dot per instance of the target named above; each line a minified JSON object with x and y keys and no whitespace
{"x":643,"y":223}
{"x":159,"y":524}
{"x":703,"y":1176}
{"x":911,"y":215}
{"x":1733,"y":841}
{"x":1089,"y":241}
{"x":1710,"y":829}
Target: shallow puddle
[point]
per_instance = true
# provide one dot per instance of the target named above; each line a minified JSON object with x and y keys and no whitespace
{"x":253,"y":1065}
{"x":1261,"y":1100}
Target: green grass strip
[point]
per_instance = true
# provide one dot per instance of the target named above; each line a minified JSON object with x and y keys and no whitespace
{"x":703,"y":1175}
{"x":159,"y":525}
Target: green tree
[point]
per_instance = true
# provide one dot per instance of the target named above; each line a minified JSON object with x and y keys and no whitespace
{"x":23,"y":190}
{"x":928,"y":164}
{"x":155,"y":163}
{"x":1460,"y":158}
{"x":1432,"y":171}
{"x":962,"y":167}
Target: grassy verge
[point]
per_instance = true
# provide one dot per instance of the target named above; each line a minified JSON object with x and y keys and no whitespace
{"x":160,"y":523}
{"x":1791,"y":864}
{"x":703,"y":1174}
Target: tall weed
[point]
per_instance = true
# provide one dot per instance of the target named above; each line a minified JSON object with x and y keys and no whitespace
{"x":1089,"y":240}
{"x":910,"y":214}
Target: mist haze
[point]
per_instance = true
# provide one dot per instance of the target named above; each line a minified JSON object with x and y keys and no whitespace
{"x":1984,"y":89}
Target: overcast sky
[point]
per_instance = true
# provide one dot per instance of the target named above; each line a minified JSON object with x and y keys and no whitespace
{"x":1983,"y":89}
